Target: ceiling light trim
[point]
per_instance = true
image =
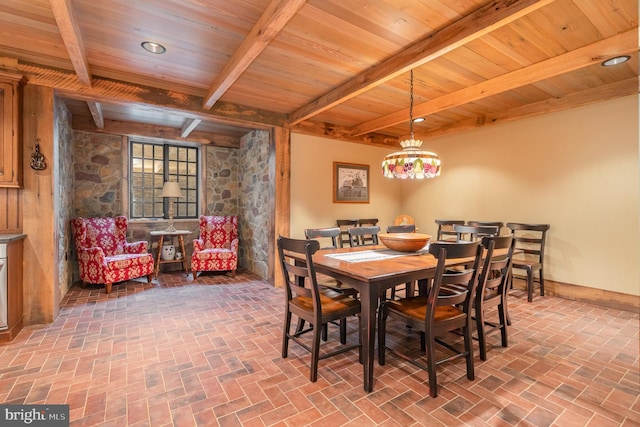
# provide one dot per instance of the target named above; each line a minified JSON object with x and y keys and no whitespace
{"x":616,"y":60}
{"x":153,"y":47}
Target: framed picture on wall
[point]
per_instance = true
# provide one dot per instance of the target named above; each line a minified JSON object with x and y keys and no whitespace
{"x":350,"y":183}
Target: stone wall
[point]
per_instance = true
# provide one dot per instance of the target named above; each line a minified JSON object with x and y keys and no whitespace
{"x":64,"y":195}
{"x":254,"y":202}
{"x":221,"y":190}
{"x":98,"y":174}
{"x":99,"y":170}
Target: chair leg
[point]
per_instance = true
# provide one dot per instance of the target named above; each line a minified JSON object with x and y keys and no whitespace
{"x":360,"y":359}
{"x":503,"y":319}
{"x":325,"y":331}
{"x":541,"y":282}
{"x":343,"y":331}
{"x":468,"y":347}
{"x":285,"y":335}
{"x":507,"y":318}
{"x":150,"y":277}
{"x":382,"y":332}
{"x":232,"y":273}
{"x":529,"y":285}
{"x":410,"y":289}
{"x":195,"y":274}
{"x":431,"y":364}
{"x":315,"y":353}
{"x":107,"y":287}
{"x":481,"y":336}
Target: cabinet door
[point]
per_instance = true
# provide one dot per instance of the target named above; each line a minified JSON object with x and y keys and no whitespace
{"x":9,"y":148}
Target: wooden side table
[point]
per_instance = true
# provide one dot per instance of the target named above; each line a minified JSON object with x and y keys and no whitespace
{"x":161,"y":234}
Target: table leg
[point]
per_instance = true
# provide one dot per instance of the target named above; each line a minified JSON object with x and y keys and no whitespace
{"x":160,"y":242}
{"x":184,"y":254}
{"x":369,"y":301}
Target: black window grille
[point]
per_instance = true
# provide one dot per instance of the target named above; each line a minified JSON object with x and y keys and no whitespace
{"x":150,"y":165}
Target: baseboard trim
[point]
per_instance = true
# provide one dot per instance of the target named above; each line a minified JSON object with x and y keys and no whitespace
{"x":601,"y":297}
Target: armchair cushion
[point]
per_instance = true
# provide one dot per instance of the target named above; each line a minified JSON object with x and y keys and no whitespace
{"x":217,"y":247}
{"x":104,"y":255}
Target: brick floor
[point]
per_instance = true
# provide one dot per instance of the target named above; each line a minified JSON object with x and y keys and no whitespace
{"x":181,"y":353}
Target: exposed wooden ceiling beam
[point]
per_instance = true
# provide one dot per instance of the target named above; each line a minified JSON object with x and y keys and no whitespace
{"x":70,"y":32}
{"x":96,"y":112}
{"x":584,"y":97}
{"x":475,"y":25}
{"x":189,"y":126}
{"x":570,"y":61}
{"x":122,"y":93}
{"x":117,"y":127}
{"x":274,"y":18}
{"x":327,"y":130}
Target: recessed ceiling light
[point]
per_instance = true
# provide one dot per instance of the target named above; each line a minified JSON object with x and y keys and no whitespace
{"x":418,"y":120}
{"x":153,"y":47}
{"x":616,"y":60}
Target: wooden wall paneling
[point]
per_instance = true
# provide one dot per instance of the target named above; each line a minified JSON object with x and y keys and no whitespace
{"x":40,"y":251}
{"x":280,"y":167}
{"x":10,"y":210}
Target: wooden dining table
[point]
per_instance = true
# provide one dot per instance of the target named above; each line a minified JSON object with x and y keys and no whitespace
{"x":376,"y":270}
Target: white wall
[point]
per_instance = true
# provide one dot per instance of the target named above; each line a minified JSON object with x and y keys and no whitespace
{"x":577,"y":170}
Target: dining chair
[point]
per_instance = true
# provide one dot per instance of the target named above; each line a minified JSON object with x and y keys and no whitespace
{"x":363,"y":222}
{"x":468,"y":233}
{"x":530,"y":240}
{"x":343,"y":225}
{"x":368,"y":236}
{"x":487,"y":224}
{"x":445,"y":229}
{"x":311,"y":304}
{"x":363,"y":236}
{"x":333,"y":234}
{"x":409,"y":228}
{"x":409,"y":287}
{"x":492,"y":291}
{"x":446,"y":307}
{"x":367,"y":222}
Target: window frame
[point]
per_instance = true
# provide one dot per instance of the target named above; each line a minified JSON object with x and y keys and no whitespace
{"x":181,"y":174}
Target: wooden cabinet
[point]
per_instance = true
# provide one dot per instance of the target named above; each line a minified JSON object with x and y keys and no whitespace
{"x":10,"y":144}
{"x":13,"y":298}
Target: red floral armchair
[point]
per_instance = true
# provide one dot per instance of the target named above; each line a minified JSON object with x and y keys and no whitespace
{"x":104,"y":255}
{"x":217,"y":247}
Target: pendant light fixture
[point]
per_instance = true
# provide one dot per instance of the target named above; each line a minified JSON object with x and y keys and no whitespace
{"x":412,"y":162}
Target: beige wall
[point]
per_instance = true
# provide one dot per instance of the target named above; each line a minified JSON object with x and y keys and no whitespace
{"x":576,"y":170}
{"x":312,"y":184}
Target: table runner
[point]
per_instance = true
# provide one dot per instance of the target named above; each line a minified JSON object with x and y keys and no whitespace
{"x":374,"y":255}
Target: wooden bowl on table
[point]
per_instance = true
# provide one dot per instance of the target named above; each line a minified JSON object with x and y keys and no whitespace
{"x":404,"y":242}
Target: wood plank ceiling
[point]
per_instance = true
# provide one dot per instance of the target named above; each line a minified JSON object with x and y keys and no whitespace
{"x":327,"y":67}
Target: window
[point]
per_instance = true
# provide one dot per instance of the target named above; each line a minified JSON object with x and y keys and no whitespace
{"x":151,"y":164}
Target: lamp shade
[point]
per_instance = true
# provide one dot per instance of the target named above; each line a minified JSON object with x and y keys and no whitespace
{"x":411,"y":162}
{"x":171,"y":189}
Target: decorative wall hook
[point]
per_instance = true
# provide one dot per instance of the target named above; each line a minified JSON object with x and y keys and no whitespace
{"x":37,"y":159}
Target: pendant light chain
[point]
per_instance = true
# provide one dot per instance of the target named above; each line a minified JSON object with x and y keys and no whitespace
{"x":411,"y":105}
{"x":411,"y":162}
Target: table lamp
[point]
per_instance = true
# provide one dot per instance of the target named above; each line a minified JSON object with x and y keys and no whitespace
{"x":171,"y":189}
